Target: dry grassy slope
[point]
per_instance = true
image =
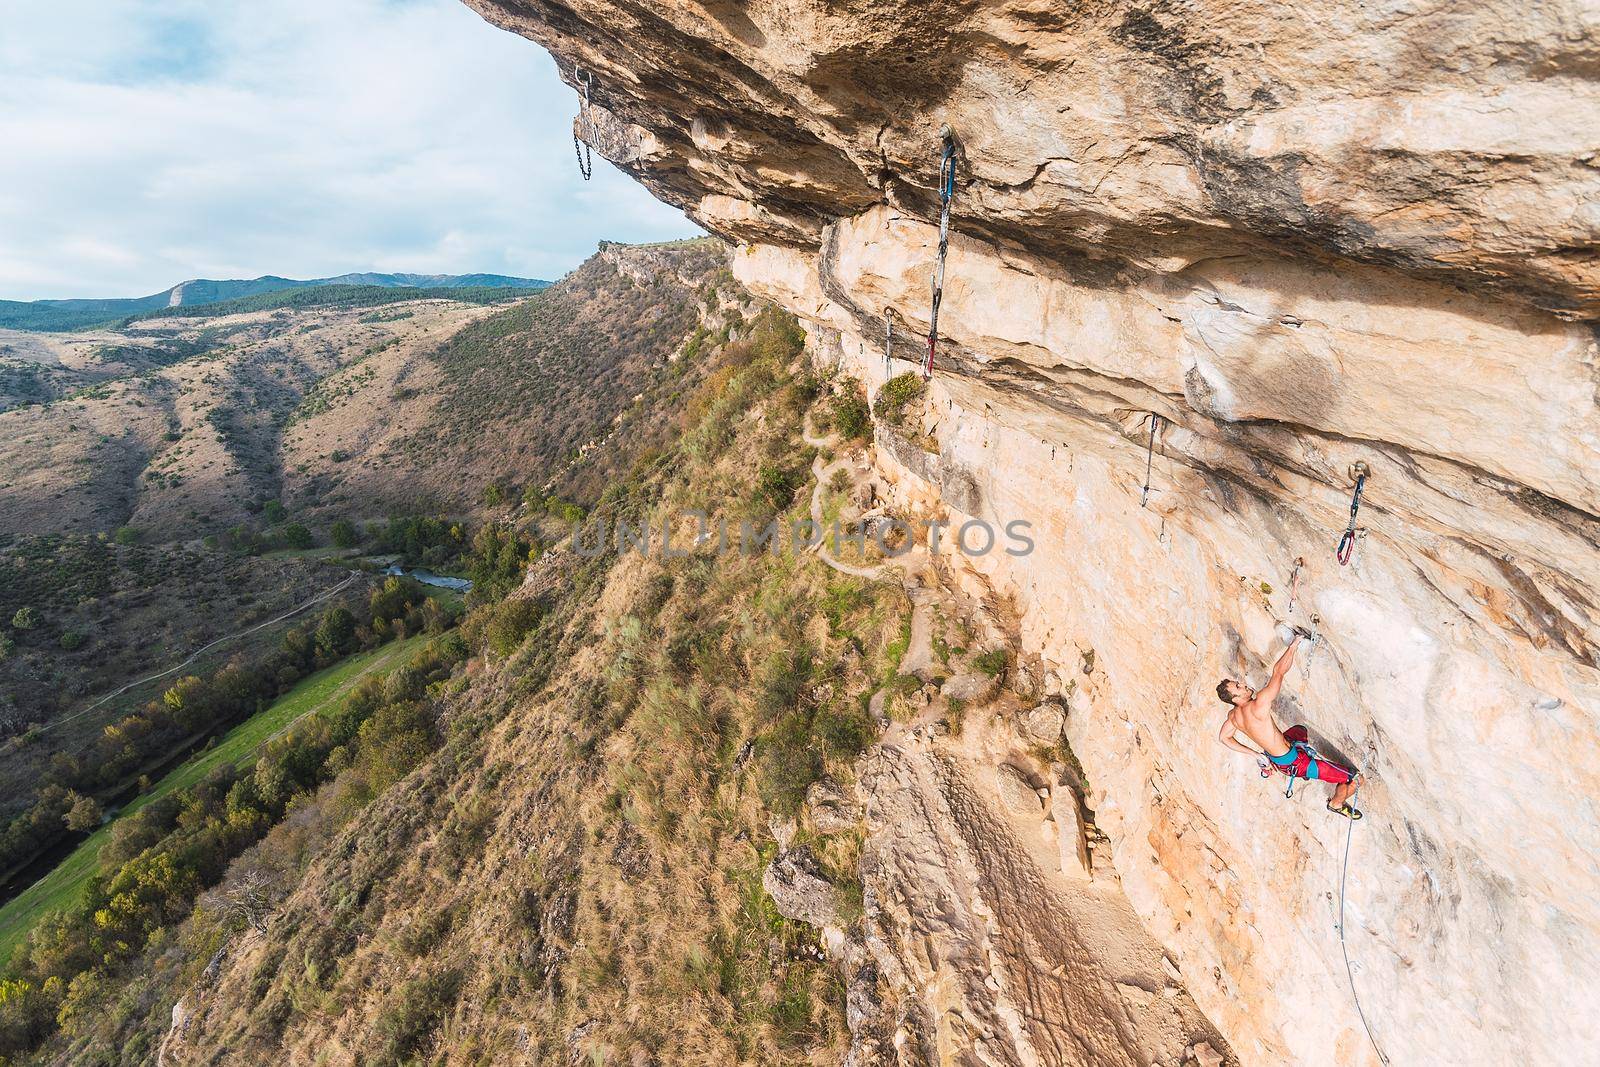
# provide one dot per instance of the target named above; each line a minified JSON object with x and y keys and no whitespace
{"x":509,"y":398}
{"x":578,"y":871}
{"x":184,"y":448}
{"x":179,"y":426}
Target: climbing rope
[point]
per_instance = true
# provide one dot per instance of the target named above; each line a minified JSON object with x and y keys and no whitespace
{"x":581,"y":147}
{"x":1349,"y":972}
{"x":1347,"y":543}
{"x":947,"y":193}
{"x":1149,"y":456}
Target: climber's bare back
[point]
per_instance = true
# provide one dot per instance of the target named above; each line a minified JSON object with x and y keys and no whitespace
{"x":1254,"y":719}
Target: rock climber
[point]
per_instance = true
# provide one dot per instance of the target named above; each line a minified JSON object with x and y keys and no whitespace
{"x":1288,"y":751}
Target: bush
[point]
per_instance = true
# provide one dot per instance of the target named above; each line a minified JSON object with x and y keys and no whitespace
{"x":897,"y":394}
{"x":845,"y":732}
{"x":127,"y":535}
{"x":417,"y":1008}
{"x":991,"y":663}
{"x":72,"y":640}
{"x":774,"y":487}
{"x":850,"y":415}
{"x":788,"y":763}
{"x":510,"y":624}
{"x":344,"y":534}
{"x":25,"y":618}
{"x":295,"y":535}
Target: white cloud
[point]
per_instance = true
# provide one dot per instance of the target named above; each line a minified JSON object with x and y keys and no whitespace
{"x":292,"y":137}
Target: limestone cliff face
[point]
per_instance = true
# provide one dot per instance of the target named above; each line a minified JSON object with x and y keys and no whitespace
{"x":1306,"y":236}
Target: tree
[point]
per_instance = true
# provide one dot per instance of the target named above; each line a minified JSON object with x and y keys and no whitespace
{"x":336,"y":631}
{"x":247,"y":898}
{"x":84,"y":815}
{"x":274,"y":512}
{"x":128,"y":535}
{"x":494,"y":495}
{"x":295,"y":535}
{"x":344,"y":534}
{"x":25,"y":618}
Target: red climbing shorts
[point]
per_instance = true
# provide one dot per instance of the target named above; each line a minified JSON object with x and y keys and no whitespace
{"x":1304,"y":764}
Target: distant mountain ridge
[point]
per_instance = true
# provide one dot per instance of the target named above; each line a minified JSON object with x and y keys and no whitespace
{"x":76,"y":313}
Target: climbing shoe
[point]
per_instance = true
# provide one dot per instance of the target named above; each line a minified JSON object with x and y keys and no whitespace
{"x":1346,"y":809}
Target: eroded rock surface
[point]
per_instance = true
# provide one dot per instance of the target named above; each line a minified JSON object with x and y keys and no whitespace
{"x":1305,"y":236}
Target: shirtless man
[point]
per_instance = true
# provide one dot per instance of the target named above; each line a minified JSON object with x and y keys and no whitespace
{"x":1288,"y":751}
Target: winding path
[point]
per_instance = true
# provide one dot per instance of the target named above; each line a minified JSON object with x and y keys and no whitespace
{"x":197,"y":653}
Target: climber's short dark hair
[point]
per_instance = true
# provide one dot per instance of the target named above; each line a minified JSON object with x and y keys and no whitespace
{"x":1222,"y":690}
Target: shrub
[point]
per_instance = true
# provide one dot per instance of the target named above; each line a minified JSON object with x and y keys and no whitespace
{"x":127,"y":535}
{"x":417,"y":1008}
{"x":510,"y":624}
{"x":991,"y":663}
{"x":72,"y":640}
{"x":787,"y":763}
{"x":295,"y":535}
{"x":25,"y":618}
{"x":850,"y":415}
{"x":844,"y":731}
{"x":897,"y":394}
{"x":344,"y":534}
{"x":774,"y":486}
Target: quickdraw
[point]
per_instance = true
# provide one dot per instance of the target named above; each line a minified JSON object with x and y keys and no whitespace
{"x":1149,"y":457}
{"x":1347,"y":544}
{"x":1313,"y":639}
{"x":947,"y":193}
{"x":581,"y":147}
{"x":888,"y":343}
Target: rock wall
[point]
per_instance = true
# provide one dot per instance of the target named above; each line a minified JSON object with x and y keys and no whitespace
{"x":1306,"y":236}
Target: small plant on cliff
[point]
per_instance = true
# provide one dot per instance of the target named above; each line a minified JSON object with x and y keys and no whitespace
{"x":992,"y":662}
{"x":850,"y":415}
{"x":897,"y":394}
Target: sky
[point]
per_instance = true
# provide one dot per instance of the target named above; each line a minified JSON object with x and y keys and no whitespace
{"x":145,"y":143}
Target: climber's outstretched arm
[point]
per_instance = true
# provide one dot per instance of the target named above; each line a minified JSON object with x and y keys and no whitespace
{"x":1280,"y":670}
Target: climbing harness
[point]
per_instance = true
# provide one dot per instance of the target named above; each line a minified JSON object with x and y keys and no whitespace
{"x":1349,"y":972}
{"x":581,"y":147}
{"x":947,"y":193}
{"x":1347,"y":543}
{"x":1149,"y":457}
